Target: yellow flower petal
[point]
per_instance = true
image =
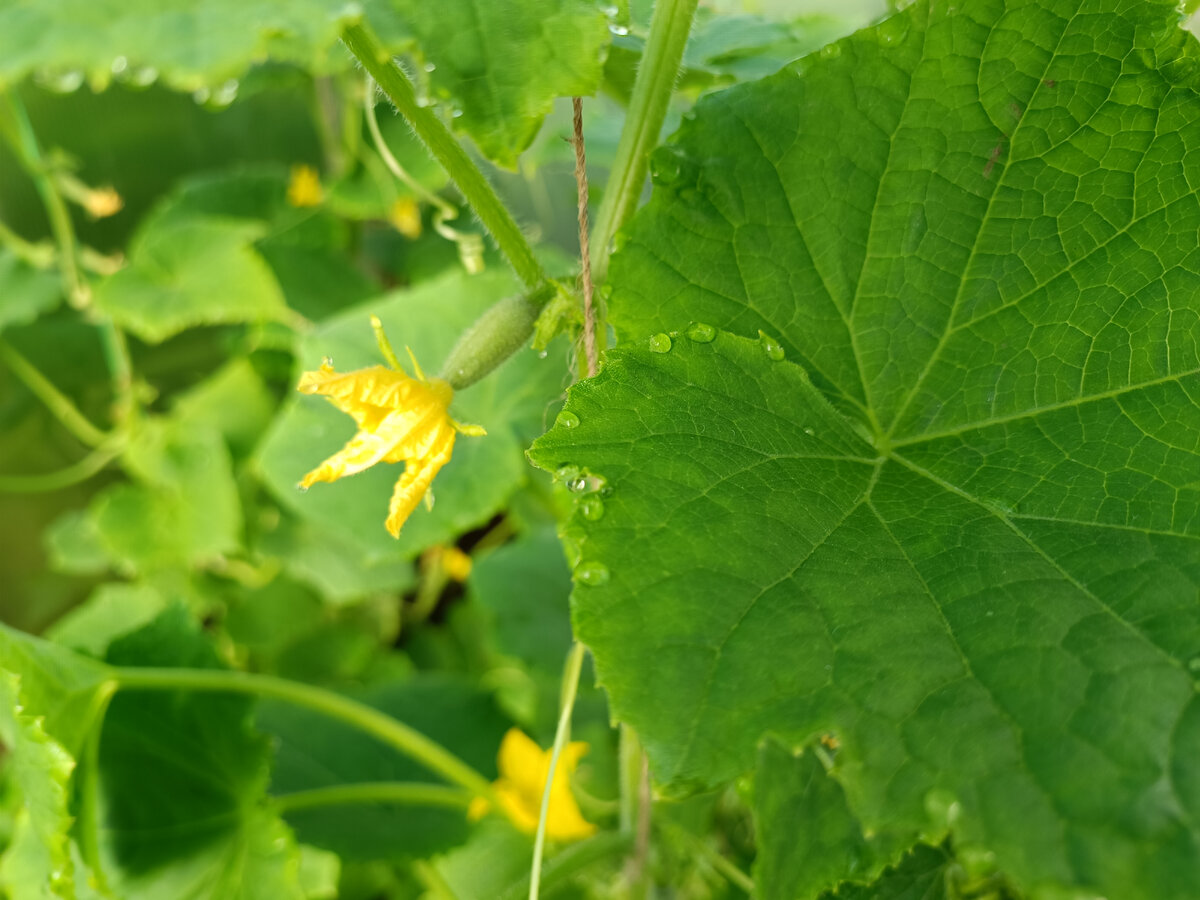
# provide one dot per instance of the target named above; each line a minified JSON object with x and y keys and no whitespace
{"x":523,"y":769}
{"x":405,"y":216}
{"x":304,"y":187}
{"x":456,"y":564}
{"x":400,"y":419}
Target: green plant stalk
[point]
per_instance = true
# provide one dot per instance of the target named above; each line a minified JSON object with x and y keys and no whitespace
{"x":40,"y":256}
{"x":629,"y":776}
{"x":728,"y":870}
{"x":571,"y":861}
{"x":65,"y":477}
{"x":30,"y":155}
{"x":652,"y":88}
{"x":87,"y":787}
{"x":120,"y":370}
{"x":358,"y":715}
{"x":55,"y":400}
{"x":29,"y":152}
{"x":446,"y":150}
{"x":394,"y":792}
{"x":570,"y":686}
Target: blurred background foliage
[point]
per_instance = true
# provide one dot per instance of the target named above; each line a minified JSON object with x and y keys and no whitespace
{"x":166,"y":527}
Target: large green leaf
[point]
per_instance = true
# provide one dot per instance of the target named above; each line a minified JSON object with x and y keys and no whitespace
{"x":313,"y":752}
{"x":484,"y":472}
{"x":36,"y":865}
{"x":971,"y":552}
{"x":500,"y":65}
{"x":183,"y":507}
{"x":192,"y":45}
{"x":183,"y":778}
{"x":66,"y":690}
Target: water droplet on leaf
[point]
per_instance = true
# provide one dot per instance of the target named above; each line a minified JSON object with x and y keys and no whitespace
{"x":592,"y":574}
{"x":660,"y":343}
{"x":567,"y":473}
{"x":61,"y":82}
{"x":567,"y":419}
{"x":143,"y":76}
{"x":578,"y":484}
{"x":225,"y":94}
{"x":619,"y":30}
{"x":701,"y":333}
{"x":592,"y":509}
{"x":666,"y":166}
{"x":771,"y":347}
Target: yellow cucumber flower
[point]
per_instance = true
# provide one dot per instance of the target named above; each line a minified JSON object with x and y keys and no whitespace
{"x":304,"y":187}
{"x":400,"y":419}
{"x":523,"y":769}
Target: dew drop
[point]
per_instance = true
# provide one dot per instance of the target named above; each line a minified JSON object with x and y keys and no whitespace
{"x":567,"y":419}
{"x":567,"y":473}
{"x":542,"y":354}
{"x":327,"y":361}
{"x":592,"y":509}
{"x":619,"y":30}
{"x":666,"y":166}
{"x":119,"y":65}
{"x":578,"y":484}
{"x":225,"y":94}
{"x":809,"y":432}
{"x":143,"y":76}
{"x":831,"y":51}
{"x":592,"y":574}
{"x":660,"y":343}
{"x":701,"y":333}
{"x":201,"y":95}
{"x":62,"y":82}
{"x":429,"y":67}
{"x":771,"y":347}
{"x":892,"y":30}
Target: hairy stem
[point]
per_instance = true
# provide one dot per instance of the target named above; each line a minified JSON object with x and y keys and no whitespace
{"x":652,"y":89}
{"x":358,"y":715}
{"x":446,"y":150}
